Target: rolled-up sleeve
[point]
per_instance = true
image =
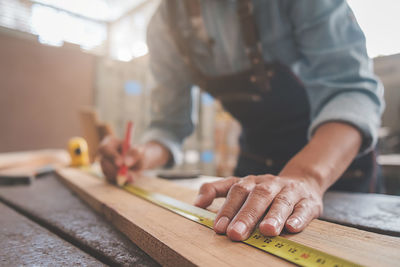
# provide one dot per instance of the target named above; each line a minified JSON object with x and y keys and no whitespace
{"x":335,"y":68}
{"x":171,"y":101}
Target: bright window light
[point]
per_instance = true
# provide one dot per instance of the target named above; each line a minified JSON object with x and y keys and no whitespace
{"x":380,"y":21}
{"x":54,"y":27}
{"x":139,"y":49}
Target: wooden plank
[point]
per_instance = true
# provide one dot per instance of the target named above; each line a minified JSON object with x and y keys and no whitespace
{"x":173,"y":240}
{"x":34,"y":158}
{"x":24,"y":243}
{"x":89,"y":121}
{"x":24,"y":174}
{"x":23,"y":167}
{"x":51,"y":203}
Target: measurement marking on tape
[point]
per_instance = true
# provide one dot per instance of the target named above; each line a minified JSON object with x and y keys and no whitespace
{"x":279,"y":246}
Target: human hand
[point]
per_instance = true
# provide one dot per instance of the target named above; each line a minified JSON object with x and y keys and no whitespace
{"x":278,"y":202}
{"x":111,"y":159}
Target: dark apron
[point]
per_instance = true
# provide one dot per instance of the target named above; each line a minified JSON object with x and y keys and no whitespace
{"x":270,"y":103}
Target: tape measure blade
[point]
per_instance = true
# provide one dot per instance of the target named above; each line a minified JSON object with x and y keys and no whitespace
{"x":279,"y":246}
{"x":294,"y":252}
{"x":186,"y":210}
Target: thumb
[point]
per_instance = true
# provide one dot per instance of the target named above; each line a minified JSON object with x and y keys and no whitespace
{"x":209,"y":191}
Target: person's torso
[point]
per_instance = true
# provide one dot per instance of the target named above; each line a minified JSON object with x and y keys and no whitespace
{"x":275,"y":122}
{"x":226,"y":54}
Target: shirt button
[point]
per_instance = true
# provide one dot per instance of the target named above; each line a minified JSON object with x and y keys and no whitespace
{"x":358,"y":173}
{"x":269,"y":162}
{"x":270,"y":73}
{"x":256,"y":61}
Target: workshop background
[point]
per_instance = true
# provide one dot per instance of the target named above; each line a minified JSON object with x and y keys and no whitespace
{"x":69,"y":63}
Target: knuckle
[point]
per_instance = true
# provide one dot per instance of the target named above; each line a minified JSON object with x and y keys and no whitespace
{"x":313,"y":208}
{"x":269,"y":176}
{"x":227,"y":211}
{"x":234,"y":179}
{"x":275,"y":178}
{"x":250,"y":216}
{"x":283,"y":200}
{"x":263,"y":189}
{"x":302,"y":205}
{"x":291,"y":185}
{"x":240,"y":188}
{"x":249,"y":178}
{"x":206,"y":187}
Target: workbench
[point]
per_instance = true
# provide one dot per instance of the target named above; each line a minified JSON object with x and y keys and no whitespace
{"x":46,"y":224}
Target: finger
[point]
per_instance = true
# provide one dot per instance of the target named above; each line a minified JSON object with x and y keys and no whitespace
{"x":281,"y":208}
{"x":133,"y":159}
{"x":304,"y":212}
{"x":109,"y":170}
{"x":252,"y":211}
{"x":209,"y":191}
{"x":109,"y":148}
{"x":237,"y":195}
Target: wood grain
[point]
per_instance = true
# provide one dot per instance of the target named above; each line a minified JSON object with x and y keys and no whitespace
{"x":34,"y":158}
{"x":25,"y":243}
{"x":173,"y":240}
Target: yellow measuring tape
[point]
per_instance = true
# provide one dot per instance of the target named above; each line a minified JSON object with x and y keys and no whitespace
{"x":279,"y":246}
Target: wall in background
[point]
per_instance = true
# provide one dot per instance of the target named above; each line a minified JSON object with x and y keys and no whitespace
{"x":41,"y":89}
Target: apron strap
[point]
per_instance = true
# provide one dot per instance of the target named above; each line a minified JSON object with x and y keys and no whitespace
{"x":182,"y":42}
{"x":253,"y":45}
{"x":260,"y":76}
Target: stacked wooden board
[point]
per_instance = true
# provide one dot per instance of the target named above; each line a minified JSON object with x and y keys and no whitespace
{"x":175,"y":241}
{"x":23,"y":167}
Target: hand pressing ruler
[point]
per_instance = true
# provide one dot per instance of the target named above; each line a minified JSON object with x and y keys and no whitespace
{"x":279,"y":246}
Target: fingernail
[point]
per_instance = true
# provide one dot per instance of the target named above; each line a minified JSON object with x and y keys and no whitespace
{"x":198,"y":200}
{"x":294,"y":222}
{"x":129,"y":161}
{"x":118,"y":162}
{"x":271,"y":221}
{"x":221,"y":224}
{"x":239,"y":228}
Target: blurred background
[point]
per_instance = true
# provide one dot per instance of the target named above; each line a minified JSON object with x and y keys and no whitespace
{"x":68,"y":66}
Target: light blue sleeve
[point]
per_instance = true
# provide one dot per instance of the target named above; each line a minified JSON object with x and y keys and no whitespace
{"x":335,"y":68}
{"x":171,"y":99}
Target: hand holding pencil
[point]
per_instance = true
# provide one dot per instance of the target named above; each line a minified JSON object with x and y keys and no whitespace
{"x":123,"y":163}
{"x":122,"y":176}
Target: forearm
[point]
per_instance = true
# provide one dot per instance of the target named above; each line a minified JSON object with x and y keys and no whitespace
{"x":328,"y":154}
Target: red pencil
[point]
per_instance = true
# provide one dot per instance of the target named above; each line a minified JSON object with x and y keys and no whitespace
{"x":122,"y":176}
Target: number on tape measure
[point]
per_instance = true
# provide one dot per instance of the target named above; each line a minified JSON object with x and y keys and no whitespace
{"x":279,"y":246}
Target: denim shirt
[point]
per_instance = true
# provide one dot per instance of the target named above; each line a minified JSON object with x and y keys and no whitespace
{"x":320,"y":40}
